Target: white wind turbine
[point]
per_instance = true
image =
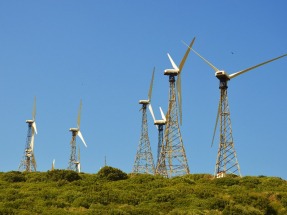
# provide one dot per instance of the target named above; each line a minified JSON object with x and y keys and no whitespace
{"x":28,"y":162}
{"x":160,"y":164}
{"x":144,"y":159}
{"x":226,"y":158}
{"x":176,"y":160}
{"x":74,"y":163}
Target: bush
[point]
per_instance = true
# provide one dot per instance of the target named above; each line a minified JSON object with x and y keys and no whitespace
{"x":7,"y":211}
{"x":203,"y":193}
{"x":81,"y":202}
{"x":14,"y":176}
{"x":198,"y":177}
{"x":226,"y":181}
{"x":60,"y":175}
{"x":240,"y":210}
{"x":35,"y":177}
{"x":217,"y":203}
{"x":111,"y":174}
{"x":249,"y":182}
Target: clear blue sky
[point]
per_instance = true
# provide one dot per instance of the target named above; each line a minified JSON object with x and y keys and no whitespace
{"x":103,"y":52}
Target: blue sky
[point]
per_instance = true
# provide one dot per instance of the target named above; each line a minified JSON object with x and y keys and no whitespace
{"x":103,"y":52}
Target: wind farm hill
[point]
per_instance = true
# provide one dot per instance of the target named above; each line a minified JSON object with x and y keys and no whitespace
{"x":112,"y":191}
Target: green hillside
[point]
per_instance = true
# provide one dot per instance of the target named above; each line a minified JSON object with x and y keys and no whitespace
{"x":112,"y":191}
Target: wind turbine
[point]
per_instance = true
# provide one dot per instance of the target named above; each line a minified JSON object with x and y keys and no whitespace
{"x":226,"y":162}
{"x":174,"y":152}
{"x":28,"y":162}
{"x":160,"y":164}
{"x":144,"y":159}
{"x":74,"y":163}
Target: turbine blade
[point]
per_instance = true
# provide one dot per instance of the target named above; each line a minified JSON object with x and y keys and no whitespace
{"x":53,"y":164}
{"x":162,"y":114}
{"x":206,"y":61}
{"x":34,"y":127}
{"x":178,"y":85}
{"x":34,"y":162}
{"x":186,"y":54}
{"x":34,"y":109}
{"x":79,"y":167}
{"x":81,"y":137}
{"x":151,"y":112}
{"x":79,"y":154}
{"x":79,"y":114}
{"x":172,"y":62}
{"x":32,"y":142}
{"x":253,"y":67}
{"x":150,"y":87}
{"x":216,"y":122}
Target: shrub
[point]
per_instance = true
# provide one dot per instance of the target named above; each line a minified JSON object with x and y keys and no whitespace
{"x":198,"y":177}
{"x":203,"y":193}
{"x":249,"y":182}
{"x":35,"y":177}
{"x":59,"y":175}
{"x":7,"y":211}
{"x":111,"y":174}
{"x":273,"y":182}
{"x":165,"y":197}
{"x":81,"y":202}
{"x":143,"y":178}
{"x":14,"y":176}
{"x":217,"y":203}
{"x":226,"y":181}
{"x":240,"y":210}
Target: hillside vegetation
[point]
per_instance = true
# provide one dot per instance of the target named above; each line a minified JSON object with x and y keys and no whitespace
{"x":112,"y":191}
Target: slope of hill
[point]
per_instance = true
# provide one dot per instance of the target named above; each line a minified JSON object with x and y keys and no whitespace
{"x":112,"y":191}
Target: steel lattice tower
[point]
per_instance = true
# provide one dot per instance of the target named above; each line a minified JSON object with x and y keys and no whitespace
{"x":173,"y":158}
{"x":160,"y":141}
{"x":226,"y":162}
{"x":144,"y":159}
{"x":73,"y":162}
{"x":160,"y":164}
{"x":28,"y":162}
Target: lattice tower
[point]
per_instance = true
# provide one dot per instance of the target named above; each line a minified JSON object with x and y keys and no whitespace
{"x":28,"y":162}
{"x":226,"y":162}
{"x":144,"y":160}
{"x":73,"y":156}
{"x":160,"y":164}
{"x":173,"y":153}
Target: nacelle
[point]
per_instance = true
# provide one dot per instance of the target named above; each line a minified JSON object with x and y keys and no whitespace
{"x":74,"y":129}
{"x":144,"y":102}
{"x":222,"y":75}
{"x":160,"y":122}
{"x":171,"y":72}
